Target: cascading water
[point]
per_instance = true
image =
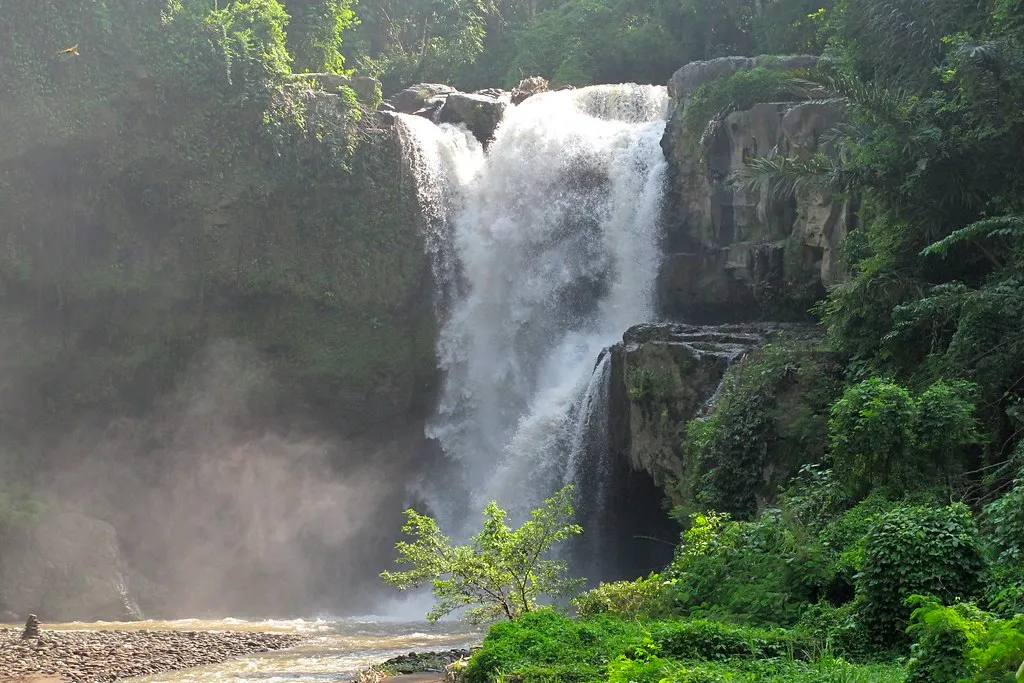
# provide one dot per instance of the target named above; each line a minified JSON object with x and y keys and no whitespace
{"x":442,"y":160}
{"x":554,"y":251}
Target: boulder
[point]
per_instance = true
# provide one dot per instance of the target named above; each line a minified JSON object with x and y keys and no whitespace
{"x":732,"y":255}
{"x":66,"y":567}
{"x":481,"y":114}
{"x":528,"y":87}
{"x":421,"y":96}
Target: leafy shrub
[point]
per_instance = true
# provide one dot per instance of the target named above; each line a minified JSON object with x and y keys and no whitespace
{"x":1003,"y":522}
{"x":643,"y":665}
{"x":842,"y":542}
{"x":915,"y":550}
{"x":643,"y":597}
{"x":713,"y":640}
{"x":962,"y":644}
{"x":501,"y":574}
{"x":837,"y":630}
{"x":544,"y":645}
{"x":825,"y":670}
{"x":747,"y":571}
{"x":547,"y":646}
{"x":881,"y":436}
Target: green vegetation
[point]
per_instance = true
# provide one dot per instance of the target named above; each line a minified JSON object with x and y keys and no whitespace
{"x":853,"y":510}
{"x":740,"y":91}
{"x":501,"y":574}
{"x":545,"y":646}
{"x":483,"y":43}
{"x":771,"y":412}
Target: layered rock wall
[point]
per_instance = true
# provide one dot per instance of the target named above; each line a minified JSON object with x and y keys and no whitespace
{"x":733,"y":255}
{"x":663,"y":376}
{"x":64,"y":568}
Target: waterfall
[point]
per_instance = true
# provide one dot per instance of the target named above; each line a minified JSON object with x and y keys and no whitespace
{"x":442,"y":161}
{"x":552,"y":254}
{"x":590,"y":468}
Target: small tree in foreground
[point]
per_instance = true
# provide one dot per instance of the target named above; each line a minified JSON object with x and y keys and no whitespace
{"x":501,"y":573}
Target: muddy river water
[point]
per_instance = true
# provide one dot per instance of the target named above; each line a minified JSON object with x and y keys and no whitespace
{"x":334,"y":649}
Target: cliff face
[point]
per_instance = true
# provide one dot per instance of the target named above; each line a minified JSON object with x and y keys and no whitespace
{"x":733,"y":255}
{"x":200,"y":251}
{"x":714,"y":415}
{"x":719,"y":416}
{"x":150,"y":207}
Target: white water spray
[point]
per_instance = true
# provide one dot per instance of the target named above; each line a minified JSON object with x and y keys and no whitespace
{"x":556,"y":247}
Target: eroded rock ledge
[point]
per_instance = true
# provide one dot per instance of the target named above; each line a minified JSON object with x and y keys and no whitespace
{"x":664,"y":375}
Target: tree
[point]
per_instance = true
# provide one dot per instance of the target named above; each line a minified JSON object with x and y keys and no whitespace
{"x":501,"y":574}
{"x":410,"y":41}
{"x":315,"y":30}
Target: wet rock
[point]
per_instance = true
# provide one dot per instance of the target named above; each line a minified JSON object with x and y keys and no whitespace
{"x":528,"y":87}
{"x":415,"y":663}
{"x":417,"y":98}
{"x":481,"y":114}
{"x":493,"y":93}
{"x":101,"y":656}
{"x":31,"y":627}
{"x":432,"y":109}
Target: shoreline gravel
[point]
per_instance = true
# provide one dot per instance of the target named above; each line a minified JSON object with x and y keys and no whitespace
{"x":106,"y":656}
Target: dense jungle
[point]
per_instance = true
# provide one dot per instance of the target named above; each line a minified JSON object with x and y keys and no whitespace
{"x":224,"y":325}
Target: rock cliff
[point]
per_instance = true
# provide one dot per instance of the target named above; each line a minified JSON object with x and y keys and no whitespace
{"x":667,"y":375}
{"x":732,"y":255}
{"x":662,"y":377}
{"x":65,"y":568}
{"x":168,"y":190}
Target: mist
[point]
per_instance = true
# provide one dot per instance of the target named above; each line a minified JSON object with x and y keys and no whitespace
{"x":224,"y":511}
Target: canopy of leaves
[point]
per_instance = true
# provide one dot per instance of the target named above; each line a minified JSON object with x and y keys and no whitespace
{"x":483,"y":43}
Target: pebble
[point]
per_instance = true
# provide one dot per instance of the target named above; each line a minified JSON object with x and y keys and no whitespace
{"x":105,"y":656}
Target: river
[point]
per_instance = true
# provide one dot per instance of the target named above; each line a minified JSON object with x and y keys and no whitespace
{"x":336,"y":649}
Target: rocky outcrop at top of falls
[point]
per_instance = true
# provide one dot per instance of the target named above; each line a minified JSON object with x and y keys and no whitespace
{"x":664,"y":375}
{"x":733,"y":255}
{"x":480,"y":111}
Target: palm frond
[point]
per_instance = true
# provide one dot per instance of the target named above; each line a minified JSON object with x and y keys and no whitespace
{"x":777,"y":178}
{"x":1011,"y":226}
{"x":877,"y":103}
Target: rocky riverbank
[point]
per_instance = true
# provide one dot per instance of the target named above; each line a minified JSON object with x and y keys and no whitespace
{"x":424,"y":667}
{"x":101,"y":656}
